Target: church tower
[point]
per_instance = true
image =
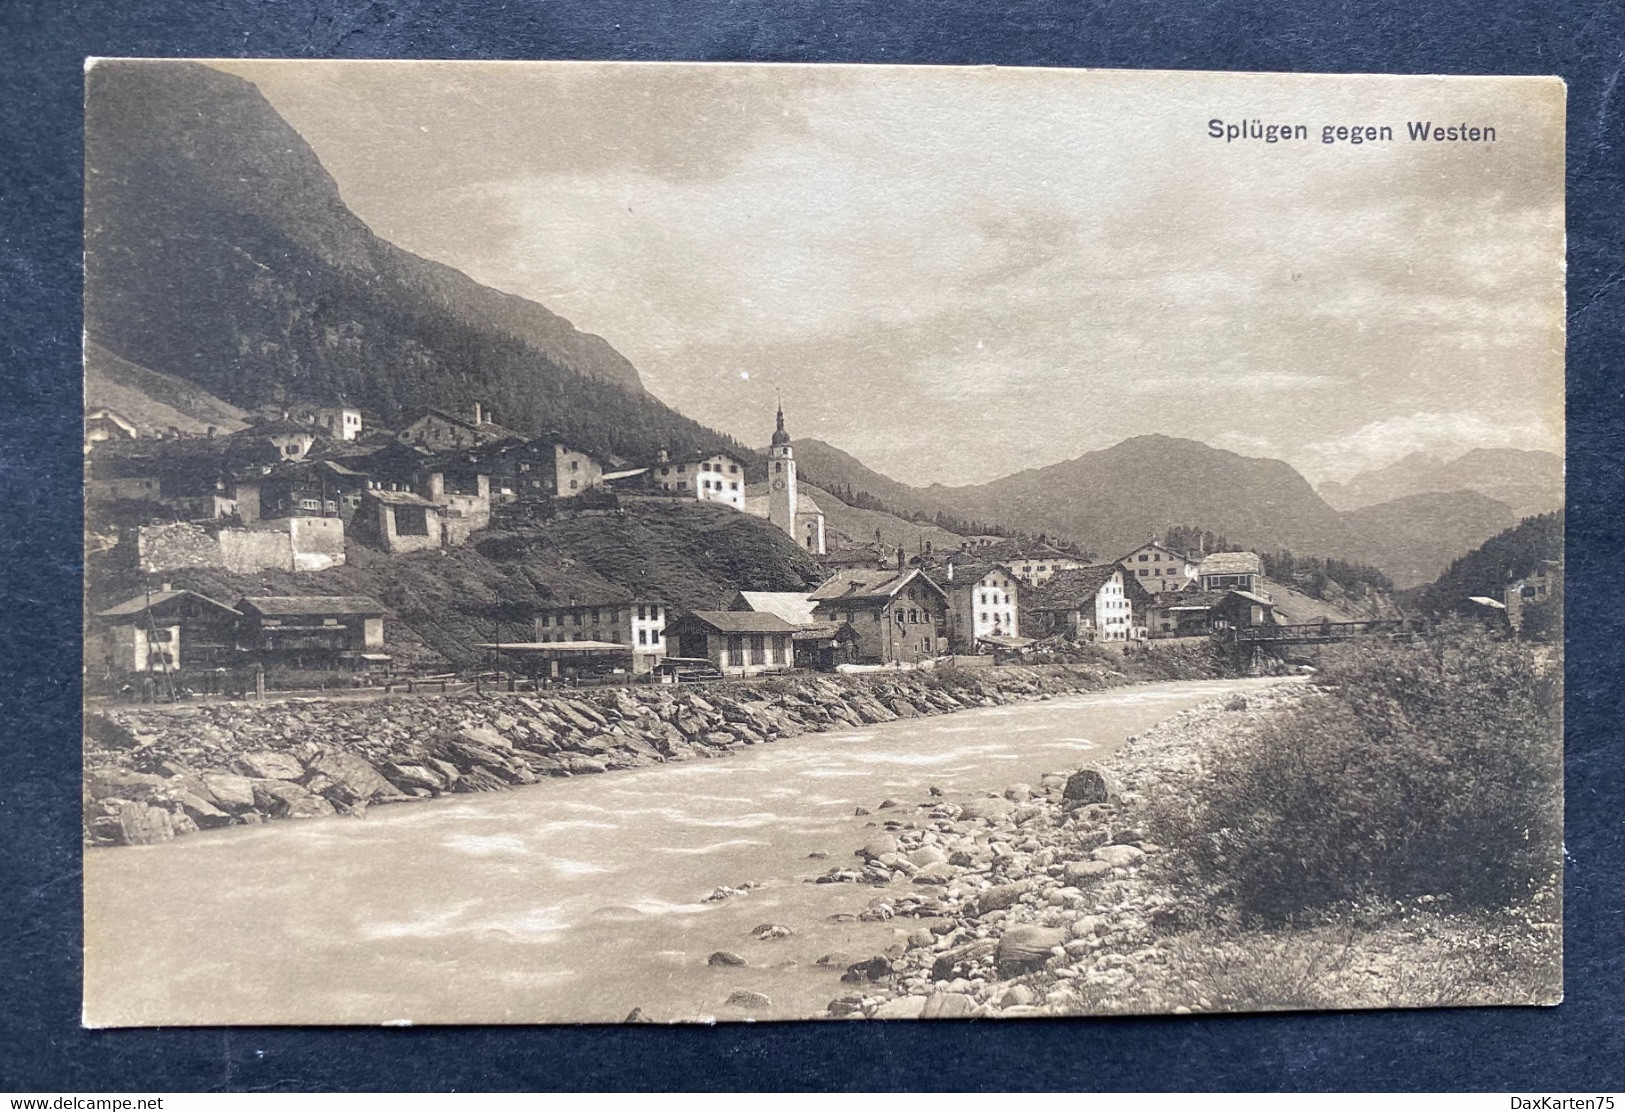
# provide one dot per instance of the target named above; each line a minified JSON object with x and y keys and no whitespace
{"x":781,"y":480}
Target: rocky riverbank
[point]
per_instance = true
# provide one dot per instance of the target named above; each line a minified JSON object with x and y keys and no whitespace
{"x":153,"y":773}
{"x":1049,"y":900}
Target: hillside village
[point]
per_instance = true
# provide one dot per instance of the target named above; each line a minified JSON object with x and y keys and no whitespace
{"x":254,"y":517}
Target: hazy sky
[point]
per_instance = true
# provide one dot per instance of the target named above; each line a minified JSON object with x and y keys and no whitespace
{"x":959,"y":273}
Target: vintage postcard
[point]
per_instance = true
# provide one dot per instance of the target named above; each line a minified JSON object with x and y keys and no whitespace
{"x":600,"y":542}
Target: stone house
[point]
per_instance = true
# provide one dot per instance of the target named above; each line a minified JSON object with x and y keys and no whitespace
{"x":818,"y":643}
{"x":736,"y":642}
{"x":400,"y":521}
{"x":1083,"y":604}
{"x":899,"y":615}
{"x":1181,"y":613}
{"x":541,"y":469}
{"x":716,"y":477}
{"x":439,"y":431}
{"x":984,"y":602}
{"x":1158,"y":568}
{"x":1540,"y":587}
{"x":641,"y":625}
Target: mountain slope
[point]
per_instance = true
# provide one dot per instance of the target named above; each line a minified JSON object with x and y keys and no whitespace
{"x":1485,"y":570}
{"x":153,"y":401}
{"x":218,"y":249}
{"x":827,"y":466}
{"x":1114,"y":499}
{"x":1529,"y":482}
{"x":1413,"y":539}
{"x":848,"y":527}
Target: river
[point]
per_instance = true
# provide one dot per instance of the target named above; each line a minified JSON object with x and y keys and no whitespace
{"x":575,"y":900}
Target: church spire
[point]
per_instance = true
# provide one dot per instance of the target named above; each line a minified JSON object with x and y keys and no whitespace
{"x":779,"y":435}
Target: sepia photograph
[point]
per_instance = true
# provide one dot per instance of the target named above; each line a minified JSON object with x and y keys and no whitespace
{"x":612,"y":542}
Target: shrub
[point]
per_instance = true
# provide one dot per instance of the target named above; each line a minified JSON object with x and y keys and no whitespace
{"x":1424,"y":768}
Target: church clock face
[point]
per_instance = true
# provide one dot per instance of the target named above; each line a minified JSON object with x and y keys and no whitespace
{"x":778,"y":484}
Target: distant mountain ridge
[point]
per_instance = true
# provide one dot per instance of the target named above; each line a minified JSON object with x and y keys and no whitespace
{"x":1530,"y":482}
{"x":1414,"y":538}
{"x":218,"y":249}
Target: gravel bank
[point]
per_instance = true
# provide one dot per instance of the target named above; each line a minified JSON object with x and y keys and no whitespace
{"x":1048,"y":900}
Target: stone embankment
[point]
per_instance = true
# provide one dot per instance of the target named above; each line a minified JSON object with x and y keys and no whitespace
{"x":1044,"y":900}
{"x":152,"y":773}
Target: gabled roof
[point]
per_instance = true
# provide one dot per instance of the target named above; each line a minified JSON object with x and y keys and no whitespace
{"x":1188,"y":600}
{"x":397,"y":498}
{"x":736,"y":621}
{"x":866,"y":586}
{"x":299,"y":605}
{"x":1251,"y":597}
{"x":795,"y":607}
{"x":968,"y":572}
{"x":141,"y":603}
{"x":1073,"y":588}
{"x":1160,"y":547}
{"x":1231,"y":563}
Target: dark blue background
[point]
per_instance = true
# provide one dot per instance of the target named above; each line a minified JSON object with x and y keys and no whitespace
{"x":1577,"y":1046}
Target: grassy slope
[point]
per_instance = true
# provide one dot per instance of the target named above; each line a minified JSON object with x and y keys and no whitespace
{"x":154,"y":401}
{"x":847,"y":526}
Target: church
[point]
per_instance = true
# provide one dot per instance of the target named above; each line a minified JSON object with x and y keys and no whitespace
{"x":782,"y":500}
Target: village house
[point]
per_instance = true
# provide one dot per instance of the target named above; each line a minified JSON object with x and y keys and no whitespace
{"x":1083,"y":604}
{"x":541,"y":469}
{"x":1159,"y":569}
{"x":1542,"y":586}
{"x":716,"y":477}
{"x":735,"y":642}
{"x":313,"y":631}
{"x":102,"y":424}
{"x":983,"y":604}
{"x":338,"y":422}
{"x":167,"y":631}
{"x":899,"y":614}
{"x":290,"y":439}
{"x":439,"y":431}
{"x":818,"y":643}
{"x":1226,"y":571}
{"x":637,"y":625}
{"x":1181,"y":613}
{"x":400,"y":521}
{"x":1243,"y":610}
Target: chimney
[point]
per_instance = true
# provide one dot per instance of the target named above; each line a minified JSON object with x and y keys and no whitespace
{"x":664,"y":456}
{"x":950,"y":571}
{"x":211,"y":432}
{"x":901,"y":559}
{"x":479,"y":414}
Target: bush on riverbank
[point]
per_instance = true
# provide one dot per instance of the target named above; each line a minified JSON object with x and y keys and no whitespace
{"x":1429,"y":768}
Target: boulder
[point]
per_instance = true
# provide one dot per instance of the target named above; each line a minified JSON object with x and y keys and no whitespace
{"x":904,"y":1007}
{"x":268,"y":764}
{"x":480,"y":779}
{"x":1000,"y":897}
{"x":285,"y":800}
{"x":1118,"y":857}
{"x":876,"y":968}
{"x":141,"y":824}
{"x":408,"y":776}
{"x":117,"y":783}
{"x":1023,"y":949}
{"x":585,"y":766}
{"x":1086,"y":786}
{"x":724,"y":957}
{"x":745,"y":999}
{"x":764,"y":932}
{"x":229,"y":792}
{"x":987,"y":808}
{"x":448,"y":771}
{"x":948,"y":1005}
{"x":881,"y":845}
{"x":484,"y":737}
{"x":943,"y":967}
{"x":201,"y":811}
{"x":928,"y":855}
{"x":353,"y":779}
{"x":1081,"y":872}
{"x":939,"y":874}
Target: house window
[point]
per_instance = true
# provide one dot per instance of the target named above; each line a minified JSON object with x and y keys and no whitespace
{"x":733,"y":486}
{"x":643,"y":637}
{"x":736,"y":651}
{"x":733,"y":469}
{"x":575,"y":617}
{"x":756,"y":648}
{"x":641,"y":614}
{"x":575,"y":465}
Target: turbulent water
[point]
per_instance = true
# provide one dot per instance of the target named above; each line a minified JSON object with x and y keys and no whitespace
{"x":573,"y":900}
